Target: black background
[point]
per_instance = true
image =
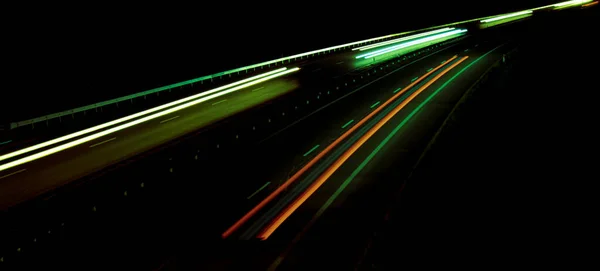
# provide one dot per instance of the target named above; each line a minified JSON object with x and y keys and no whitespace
{"x":62,"y":56}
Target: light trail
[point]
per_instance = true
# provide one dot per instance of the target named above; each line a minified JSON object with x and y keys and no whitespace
{"x":239,"y":223}
{"x":133,"y":116}
{"x":137,"y":121}
{"x":267,"y":231}
{"x":402,"y":39}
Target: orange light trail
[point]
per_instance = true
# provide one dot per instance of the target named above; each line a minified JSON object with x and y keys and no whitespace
{"x":297,"y":175}
{"x":275,"y":223}
{"x":590,"y":4}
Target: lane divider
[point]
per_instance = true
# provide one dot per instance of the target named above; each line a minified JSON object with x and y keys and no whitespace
{"x":318,"y":157}
{"x":133,"y":116}
{"x":267,"y":231}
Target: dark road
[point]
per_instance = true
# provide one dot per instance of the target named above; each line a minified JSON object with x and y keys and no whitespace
{"x":460,"y":151}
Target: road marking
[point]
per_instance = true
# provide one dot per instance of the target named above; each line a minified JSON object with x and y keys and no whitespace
{"x":339,"y":62}
{"x":287,"y":183}
{"x":169,"y":119}
{"x":316,"y":70}
{"x":260,"y":189}
{"x":354,"y":91}
{"x":347,"y":123}
{"x":108,"y":140}
{"x":311,"y":150}
{"x":10,"y":174}
{"x":5,"y":142}
{"x":292,"y":207}
{"x":375,"y":104}
{"x":221,"y":101}
{"x":257,"y":89}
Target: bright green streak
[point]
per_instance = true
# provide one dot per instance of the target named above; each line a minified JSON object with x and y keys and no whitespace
{"x":506,"y":16}
{"x":403,"y":39}
{"x":311,"y":150}
{"x":398,"y":89}
{"x":375,"y":104}
{"x":429,"y":69}
{"x":410,"y":43}
{"x":414,"y":79}
{"x":574,"y":2}
{"x":388,"y":138}
{"x":347,"y":123}
{"x":5,"y":142}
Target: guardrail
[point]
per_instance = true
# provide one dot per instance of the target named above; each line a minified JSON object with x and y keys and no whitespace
{"x":282,"y":60}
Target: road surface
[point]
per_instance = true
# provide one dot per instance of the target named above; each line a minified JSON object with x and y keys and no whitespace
{"x":23,"y":182}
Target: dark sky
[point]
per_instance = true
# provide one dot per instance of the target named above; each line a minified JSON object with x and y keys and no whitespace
{"x":98,"y":52}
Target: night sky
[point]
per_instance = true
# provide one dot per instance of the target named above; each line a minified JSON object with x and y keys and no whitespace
{"x":57,"y":57}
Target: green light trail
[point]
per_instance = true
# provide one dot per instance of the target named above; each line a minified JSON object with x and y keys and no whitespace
{"x":388,"y":138}
{"x":403,"y":39}
{"x":411,"y":43}
{"x":507,"y":16}
{"x":571,"y":3}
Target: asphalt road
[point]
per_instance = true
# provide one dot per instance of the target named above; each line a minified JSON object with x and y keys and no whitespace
{"x":23,"y":182}
{"x":509,"y":183}
{"x":219,"y":196}
{"x":333,"y":229}
{"x":285,"y":152}
{"x":332,"y":240}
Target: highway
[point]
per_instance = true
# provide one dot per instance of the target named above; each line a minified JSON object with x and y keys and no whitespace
{"x":22,"y":182}
{"x":331,"y":226}
{"x":303,"y":195}
{"x":281,"y":153}
{"x":355,"y":182}
{"x":30,"y":174}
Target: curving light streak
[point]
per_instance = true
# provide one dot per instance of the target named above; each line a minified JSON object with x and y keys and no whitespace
{"x":139,"y":114}
{"x":506,"y":16}
{"x":411,"y":43}
{"x":137,"y":121}
{"x":402,"y":39}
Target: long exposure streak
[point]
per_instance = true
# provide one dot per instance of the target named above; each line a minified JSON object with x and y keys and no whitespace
{"x":304,"y":196}
{"x":297,"y":175}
